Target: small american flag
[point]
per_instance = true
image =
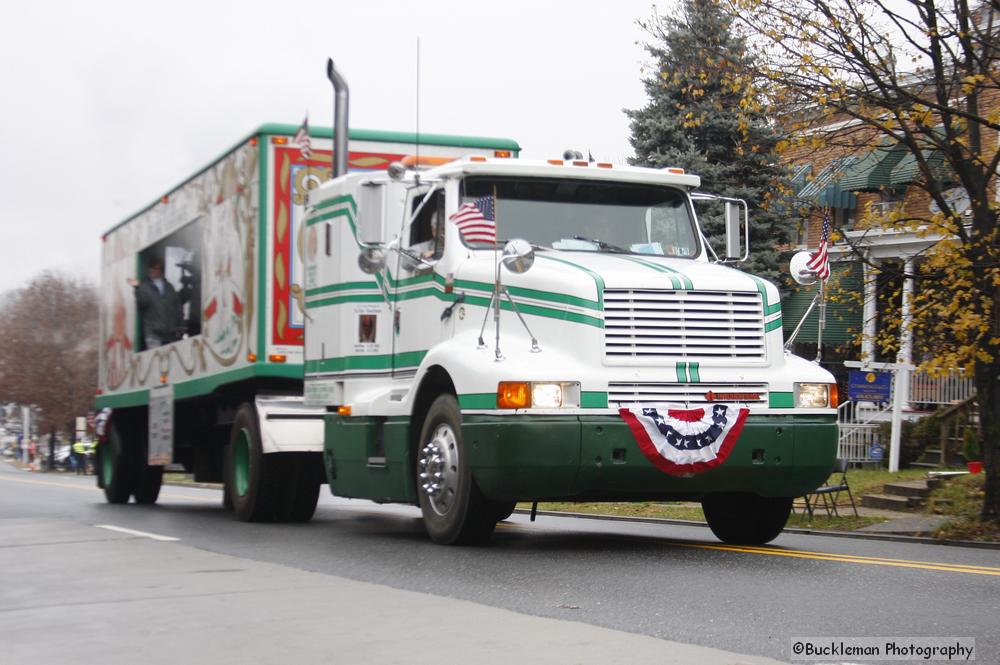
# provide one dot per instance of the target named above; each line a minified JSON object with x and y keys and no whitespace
{"x":819,"y":261}
{"x":302,"y":139}
{"x":476,"y":220}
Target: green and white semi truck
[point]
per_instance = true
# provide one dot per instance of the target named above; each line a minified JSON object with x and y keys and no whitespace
{"x":482,"y":331}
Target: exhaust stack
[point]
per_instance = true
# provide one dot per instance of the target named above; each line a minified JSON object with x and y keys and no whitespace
{"x":341,"y":97}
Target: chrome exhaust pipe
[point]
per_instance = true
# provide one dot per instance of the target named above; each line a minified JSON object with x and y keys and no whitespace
{"x":341,"y":97}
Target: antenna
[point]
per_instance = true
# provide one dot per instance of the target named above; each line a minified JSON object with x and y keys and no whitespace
{"x":418,"y":102}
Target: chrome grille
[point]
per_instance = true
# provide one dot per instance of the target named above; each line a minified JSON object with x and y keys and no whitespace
{"x":683,"y":393}
{"x":650,"y":324}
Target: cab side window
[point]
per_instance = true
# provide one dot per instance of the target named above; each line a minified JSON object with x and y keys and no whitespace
{"x":427,"y":230}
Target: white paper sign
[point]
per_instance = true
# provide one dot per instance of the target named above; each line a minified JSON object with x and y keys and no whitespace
{"x":161,"y":425}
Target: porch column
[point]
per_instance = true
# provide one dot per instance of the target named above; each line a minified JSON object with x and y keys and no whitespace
{"x":868,"y":313}
{"x":906,"y":331}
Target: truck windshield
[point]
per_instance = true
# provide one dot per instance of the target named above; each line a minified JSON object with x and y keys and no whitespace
{"x":587,"y":215}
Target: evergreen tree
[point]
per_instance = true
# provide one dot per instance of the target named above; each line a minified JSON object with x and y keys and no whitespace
{"x":706,"y":116}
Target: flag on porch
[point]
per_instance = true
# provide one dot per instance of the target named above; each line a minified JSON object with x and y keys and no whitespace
{"x":301,"y":139}
{"x":819,"y":261}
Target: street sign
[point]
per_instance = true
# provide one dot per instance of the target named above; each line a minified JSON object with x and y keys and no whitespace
{"x":869,"y":386}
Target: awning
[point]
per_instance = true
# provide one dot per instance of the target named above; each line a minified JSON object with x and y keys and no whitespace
{"x":801,"y":177}
{"x":826,"y":190}
{"x":907,"y":170}
{"x":874,"y":171}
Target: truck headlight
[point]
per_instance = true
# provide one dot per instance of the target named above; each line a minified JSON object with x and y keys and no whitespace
{"x":538,"y":394}
{"x":815,"y":395}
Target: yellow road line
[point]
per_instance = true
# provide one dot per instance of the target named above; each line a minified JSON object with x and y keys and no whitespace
{"x":847,"y":558}
{"x":862,"y":559}
{"x":94,"y":488}
{"x":819,"y":556}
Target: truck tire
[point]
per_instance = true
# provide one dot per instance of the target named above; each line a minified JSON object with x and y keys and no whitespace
{"x":454,"y":510}
{"x":148,"y":480}
{"x":746,"y":519}
{"x":300,"y":486}
{"x":116,"y":464}
{"x":252,"y":479}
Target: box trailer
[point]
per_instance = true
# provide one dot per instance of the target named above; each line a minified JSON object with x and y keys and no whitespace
{"x":206,"y":370}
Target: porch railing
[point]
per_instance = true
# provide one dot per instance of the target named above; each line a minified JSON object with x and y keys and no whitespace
{"x":859,"y":422}
{"x":956,"y":386}
{"x":858,"y":426}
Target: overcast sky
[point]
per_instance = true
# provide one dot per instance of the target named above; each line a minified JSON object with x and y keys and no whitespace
{"x":106,"y":105}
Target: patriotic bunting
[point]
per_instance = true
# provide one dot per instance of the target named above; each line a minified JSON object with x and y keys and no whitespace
{"x":683,"y":442}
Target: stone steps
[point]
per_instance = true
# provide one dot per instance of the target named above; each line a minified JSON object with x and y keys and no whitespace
{"x":889,"y":502}
{"x":901,"y":496}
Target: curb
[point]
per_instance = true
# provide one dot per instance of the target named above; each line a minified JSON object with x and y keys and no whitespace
{"x":898,"y":538}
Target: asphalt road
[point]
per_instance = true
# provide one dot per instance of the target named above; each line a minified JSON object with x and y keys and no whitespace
{"x":667,"y":582}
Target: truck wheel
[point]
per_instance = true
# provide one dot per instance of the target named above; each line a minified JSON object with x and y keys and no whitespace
{"x":746,"y":519}
{"x":252,"y":480}
{"x":454,"y":510}
{"x":147,"y":483}
{"x":116,"y":467}
{"x":300,"y":486}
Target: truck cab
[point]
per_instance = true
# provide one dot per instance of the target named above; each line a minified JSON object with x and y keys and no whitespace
{"x":485,"y":331}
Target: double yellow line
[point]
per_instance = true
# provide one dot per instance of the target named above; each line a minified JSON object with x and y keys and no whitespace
{"x":848,"y":558}
{"x":798,"y":554}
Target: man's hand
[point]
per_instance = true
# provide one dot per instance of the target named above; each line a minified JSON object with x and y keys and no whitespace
{"x":132,"y":281}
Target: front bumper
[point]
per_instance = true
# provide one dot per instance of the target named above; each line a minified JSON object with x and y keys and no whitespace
{"x":596,"y":458}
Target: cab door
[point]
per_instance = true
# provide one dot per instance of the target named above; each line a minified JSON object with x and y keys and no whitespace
{"x":418,"y":285}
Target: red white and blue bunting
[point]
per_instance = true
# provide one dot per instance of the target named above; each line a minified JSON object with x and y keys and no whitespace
{"x":683,"y":442}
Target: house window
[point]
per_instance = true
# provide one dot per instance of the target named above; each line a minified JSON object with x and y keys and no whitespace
{"x":802,"y":232}
{"x":891,"y":200}
{"x":843,"y":218}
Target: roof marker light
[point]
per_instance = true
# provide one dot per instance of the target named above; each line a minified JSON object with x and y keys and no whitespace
{"x":502,"y":153}
{"x":477,"y":158}
{"x":605,"y":165}
{"x":577,"y":162}
{"x":279,"y":140}
{"x":411,"y":161}
{"x":673,"y":169}
{"x":556,"y":162}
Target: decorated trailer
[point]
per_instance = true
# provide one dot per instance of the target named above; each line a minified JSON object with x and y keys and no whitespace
{"x":203,"y":313}
{"x":484,"y":331}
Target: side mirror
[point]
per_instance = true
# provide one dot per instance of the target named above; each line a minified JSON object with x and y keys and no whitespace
{"x":371,"y":260}
{"x":799,"y":267}
{"x":518,"y":256}
{"x":734,"y":248}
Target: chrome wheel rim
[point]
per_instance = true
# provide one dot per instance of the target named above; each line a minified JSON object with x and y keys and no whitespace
{"x":438,"y":469}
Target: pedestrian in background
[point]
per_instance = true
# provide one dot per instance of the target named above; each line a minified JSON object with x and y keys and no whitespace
{"x":80,"y":457}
